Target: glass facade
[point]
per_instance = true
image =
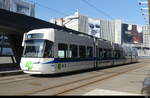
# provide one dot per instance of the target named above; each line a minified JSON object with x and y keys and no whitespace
{"x":6,"y":52}
{"x":5,"y":48}
{"x":19,"y":6}
{"x":7,"y":56}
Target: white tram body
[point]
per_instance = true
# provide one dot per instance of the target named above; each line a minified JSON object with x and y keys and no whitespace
{"x":51,"y":51}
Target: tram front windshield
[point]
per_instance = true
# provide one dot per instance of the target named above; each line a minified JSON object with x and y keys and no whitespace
{"x":38,"y":49}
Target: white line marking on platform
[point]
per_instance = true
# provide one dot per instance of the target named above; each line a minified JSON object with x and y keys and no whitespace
{"x":107,"y":92}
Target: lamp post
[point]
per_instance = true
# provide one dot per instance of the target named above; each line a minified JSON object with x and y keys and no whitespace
{"x":147,"y":9}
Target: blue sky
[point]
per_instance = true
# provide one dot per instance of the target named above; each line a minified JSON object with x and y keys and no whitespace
{"x":126,"y":10}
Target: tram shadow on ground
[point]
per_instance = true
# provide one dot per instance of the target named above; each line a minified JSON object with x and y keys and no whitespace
{"x":77,"y":72}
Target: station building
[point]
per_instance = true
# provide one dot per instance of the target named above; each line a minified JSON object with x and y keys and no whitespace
{"x":104,"y":29}
{"x":116,"y":31}
{"x":17,"y":6}
{"x":136,"y":36}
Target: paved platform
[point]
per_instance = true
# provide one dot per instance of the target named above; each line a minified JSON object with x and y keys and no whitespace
{"x":130,"y":83}
{"x":108,"y":92}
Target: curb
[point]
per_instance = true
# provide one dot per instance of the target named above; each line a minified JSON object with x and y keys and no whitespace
{"x":10,"y":73}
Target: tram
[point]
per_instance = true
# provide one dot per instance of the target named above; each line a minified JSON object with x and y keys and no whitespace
{"x":52,"y":51}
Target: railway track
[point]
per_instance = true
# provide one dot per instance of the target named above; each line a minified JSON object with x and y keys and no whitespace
{"x":64,"y":88}
{"x":12,"y":79}
{"x":62,"y":85}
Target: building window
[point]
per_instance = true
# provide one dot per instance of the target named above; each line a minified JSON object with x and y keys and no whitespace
{"x":22,"y":9}
{"x":62,"y":50}
{"x":5,"y":48}
{"x":5,"y":41}
{"x":1,"y":4}
{"x":73,"y":52}
{"x":7,"y":52}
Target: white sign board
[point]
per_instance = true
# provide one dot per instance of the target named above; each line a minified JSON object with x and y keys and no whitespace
{"x":94,"y":27}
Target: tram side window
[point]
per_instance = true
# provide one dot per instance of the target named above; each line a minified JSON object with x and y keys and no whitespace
{"x":105,"y":54}
{"x":82,"y":52}
{"x":89,"y":52}
{"x":101,"y":53}
{"x":62,"y":50}
{"x":122,"y":54}
{"x":48,"y":50}
{"x":110,"y":54}
{"x":73,"y":52}
{"x":117,"y":54}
